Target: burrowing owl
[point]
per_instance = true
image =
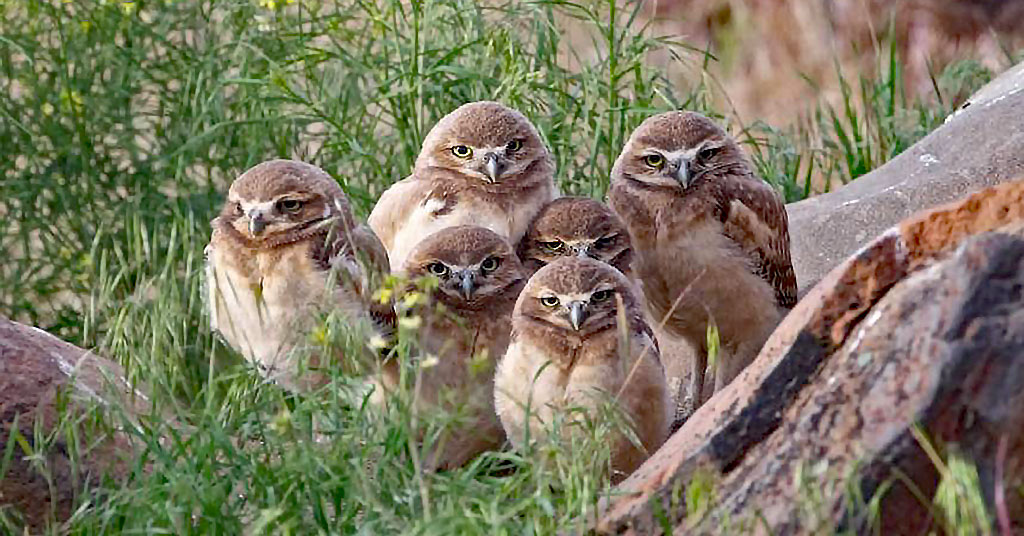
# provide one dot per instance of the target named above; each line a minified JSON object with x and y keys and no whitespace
{"x":572,"y":347}
{"x":710,"y":237}
{"x":584,"y":227}
{"x":284,"y":249}
{"x":579,"y":227}
{"x":465,"y":326}
{"x":483,"y":164}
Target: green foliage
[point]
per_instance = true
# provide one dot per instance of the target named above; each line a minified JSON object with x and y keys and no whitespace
{"x":711,"y":336}
{"x":959,"y":502}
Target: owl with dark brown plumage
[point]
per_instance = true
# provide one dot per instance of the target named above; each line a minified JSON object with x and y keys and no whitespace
{"x":711,"y":239}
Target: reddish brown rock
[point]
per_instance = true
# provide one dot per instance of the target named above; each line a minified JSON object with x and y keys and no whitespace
{"x":926,"y":325}
{"x":47,"y":383}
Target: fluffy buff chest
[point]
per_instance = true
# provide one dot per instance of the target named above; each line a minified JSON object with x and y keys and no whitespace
{"x":264,"y":302}
{"x":553,"y":376}
{"x":445,"y":209}
{"x":690,"y":269}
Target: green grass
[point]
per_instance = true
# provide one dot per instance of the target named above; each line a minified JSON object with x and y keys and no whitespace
{"x":122,"y":125}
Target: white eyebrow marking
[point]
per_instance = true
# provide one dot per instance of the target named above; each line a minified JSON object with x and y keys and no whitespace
{"x":575,"y":296}
{"x":433,"y":204}
{"x":264,"y":206}
{"x":688,"y":154}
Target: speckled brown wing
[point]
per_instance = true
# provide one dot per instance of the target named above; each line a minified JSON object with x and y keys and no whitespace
{"x":639,"y":327}
{"x":374,"y":258}
{"x":754,"y":217}
{"x":362,"y":256}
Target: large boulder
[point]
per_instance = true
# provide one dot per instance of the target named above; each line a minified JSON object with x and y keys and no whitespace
{"x":911,"y":350}
{"x":48,"y":389}
{"x":981,"y":145}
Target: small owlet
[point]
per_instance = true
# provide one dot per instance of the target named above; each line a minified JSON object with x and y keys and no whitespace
{"x":569,"y":350}
{"x":583,"y":227}
{"x":465,"y":325}
{"x":577,"y":227}
{"x":284,"y":249}
{"x":710,"y":239}
{"x":483,"y":164}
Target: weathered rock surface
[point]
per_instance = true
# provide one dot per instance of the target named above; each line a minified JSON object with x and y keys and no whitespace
{"x":924,"y":325}
{"x":980,"y":145}
{"x":47,"y":382}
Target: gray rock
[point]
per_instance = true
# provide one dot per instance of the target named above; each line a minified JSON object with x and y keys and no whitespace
{"x":982,"y":144}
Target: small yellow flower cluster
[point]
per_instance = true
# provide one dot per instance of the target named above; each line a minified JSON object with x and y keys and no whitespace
{"x":274,"y":4}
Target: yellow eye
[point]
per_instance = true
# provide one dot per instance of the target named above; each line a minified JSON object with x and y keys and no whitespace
{"x":514,"y":145}
{"x":437,"y":268}
{"x":554,"y":246}
{"x":601,"y":296}
{"x":549,"y":301}
{"x":462,"y":151}
{"x":490,"y":264}
{"x":604,"y":241}
{"x":655,"y":161}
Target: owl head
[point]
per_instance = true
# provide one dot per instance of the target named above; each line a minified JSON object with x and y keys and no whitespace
{"x":677,"y":150}
{"x":283,"y":201}
{"x":485,"y":141}
{"x":576,"y":227}
{"x":575,"y":295}
{"x":473,"y":265}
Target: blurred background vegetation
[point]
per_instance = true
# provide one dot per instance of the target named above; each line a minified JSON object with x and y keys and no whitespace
{"x":122,"y":123}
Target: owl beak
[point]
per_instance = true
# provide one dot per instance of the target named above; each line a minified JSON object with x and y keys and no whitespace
{"x":582,"y":252}
{"x":467,"y":285}
{"x":577,"y":314}
{"x":256,"y":223}
{"x":492,"y":167}
{"x":682,"y":174}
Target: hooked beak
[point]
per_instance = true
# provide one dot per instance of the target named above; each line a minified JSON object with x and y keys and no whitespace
{"x":582,"y":251}
{"x":256,"y":222}
{"x":467,"y":285}
{"x":682,"y":175}
{"x":492,"y":168}
{"x":577,"y":314}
